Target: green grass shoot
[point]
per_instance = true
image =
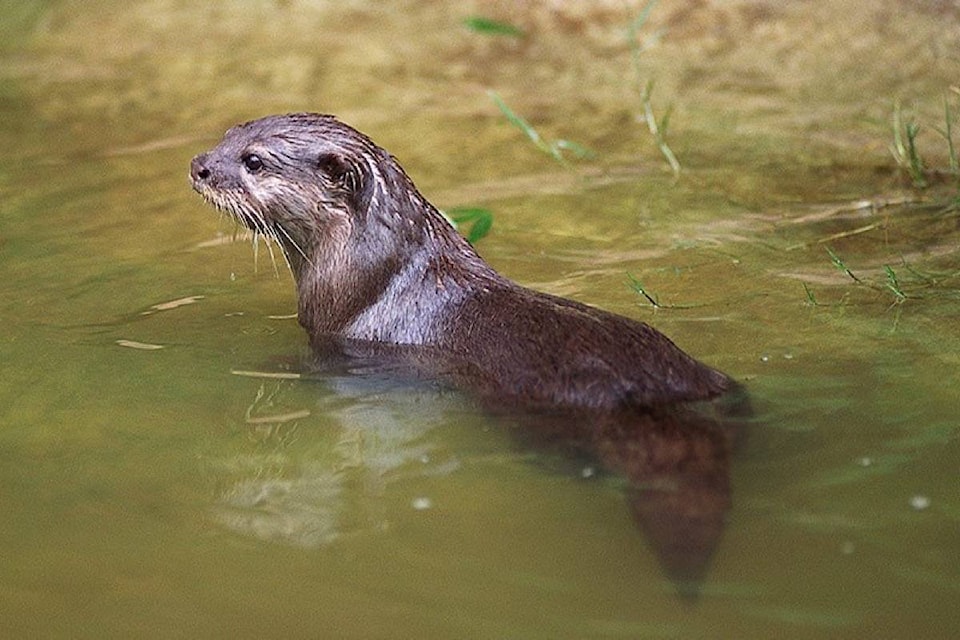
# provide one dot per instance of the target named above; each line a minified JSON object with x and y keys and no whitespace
{"x":893,"y":284}
{"x":657,"y":128}
{"x":553,"y":148}
{"x":637,"y":286}
{"x":839,"y":264}
{"x":490,"y":27}
{"x":947,"y":133}
{"x":904,"y":147}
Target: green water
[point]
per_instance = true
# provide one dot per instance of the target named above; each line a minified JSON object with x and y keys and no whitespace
{"x":157,"y":493}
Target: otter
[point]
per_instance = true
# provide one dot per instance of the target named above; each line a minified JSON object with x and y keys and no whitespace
{"x":376,"y":264}
{"x":385,"y":284}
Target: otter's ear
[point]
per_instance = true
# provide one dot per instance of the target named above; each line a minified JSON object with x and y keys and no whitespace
{"x":350,"y":177}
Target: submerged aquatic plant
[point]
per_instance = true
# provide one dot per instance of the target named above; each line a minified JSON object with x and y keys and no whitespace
{"x":891,"y":285}
{"x":637,"y":286}
{"x":657,"y":128}
{"x":811,"y":299}
{"x":947,"y":133}
{"x":904,"y":283}
{"x":652,"y":298}
{"x":904,"y":147}
{"x":553,"y":148}
{"x":906,"y":152}
{"x":839,"y":264}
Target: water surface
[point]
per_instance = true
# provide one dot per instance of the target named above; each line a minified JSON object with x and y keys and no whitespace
{"x":156,"y":492}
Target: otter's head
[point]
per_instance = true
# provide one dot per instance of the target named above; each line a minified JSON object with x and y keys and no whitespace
{"x":344,"y":212}
{"x":307,"y":181}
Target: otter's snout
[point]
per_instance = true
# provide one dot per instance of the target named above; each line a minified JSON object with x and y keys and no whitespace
{"x":198,"y":169}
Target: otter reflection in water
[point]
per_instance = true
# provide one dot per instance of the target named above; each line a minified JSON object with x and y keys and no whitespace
{"x":378,"y":268}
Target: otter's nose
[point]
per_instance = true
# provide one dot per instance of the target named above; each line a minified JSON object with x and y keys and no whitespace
{"x":198,"y":168}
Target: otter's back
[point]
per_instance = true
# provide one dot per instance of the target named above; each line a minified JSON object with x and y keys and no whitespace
{"x":536,"y":349}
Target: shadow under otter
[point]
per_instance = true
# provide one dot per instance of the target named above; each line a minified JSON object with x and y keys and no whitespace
{"x":385,"y":283}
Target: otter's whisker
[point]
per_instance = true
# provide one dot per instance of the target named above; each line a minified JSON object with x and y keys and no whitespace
{"x":256,"y":251}
{"x":283,"y":251}
{"x":279,"y":228}
{"x":269,"y":239}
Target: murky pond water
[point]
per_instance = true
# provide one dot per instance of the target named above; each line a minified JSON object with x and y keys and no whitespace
{"x":156,"y":492}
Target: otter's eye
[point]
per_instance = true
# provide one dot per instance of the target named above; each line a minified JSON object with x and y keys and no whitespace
{"x":252,"y":162}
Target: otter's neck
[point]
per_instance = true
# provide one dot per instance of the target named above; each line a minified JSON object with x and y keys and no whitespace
{"x":393,"y":280}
